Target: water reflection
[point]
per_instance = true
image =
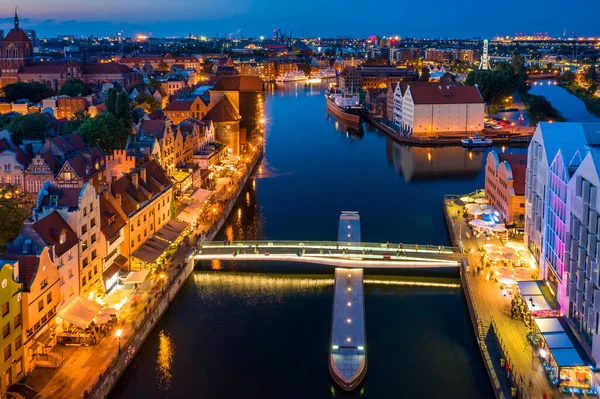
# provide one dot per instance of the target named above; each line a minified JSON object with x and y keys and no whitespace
{"x":349,"y":131}
{"x":570,"y":106}
{"x":164,"y":361}
{"x":422,"y":163}
{"x":256,"y":288}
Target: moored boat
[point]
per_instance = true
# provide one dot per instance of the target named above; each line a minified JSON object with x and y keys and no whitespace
{"x":476,"y":140}
{"x":344,"y":106}
{"x":295,"y":76}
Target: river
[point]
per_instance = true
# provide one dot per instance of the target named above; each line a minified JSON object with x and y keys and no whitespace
{"x":569,"y":105}
{"x":236,"y":331}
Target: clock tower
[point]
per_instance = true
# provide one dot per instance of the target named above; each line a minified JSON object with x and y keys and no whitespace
{"x":15,"y":52}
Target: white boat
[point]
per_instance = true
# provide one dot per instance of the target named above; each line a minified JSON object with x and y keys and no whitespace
{"x":313,"y":81}
{"x":476,"y":140}
{"x":295,"y":76}
{"x":328,"y":73}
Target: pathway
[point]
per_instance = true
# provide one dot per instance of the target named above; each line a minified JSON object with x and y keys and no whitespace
{"x":492,"y":304}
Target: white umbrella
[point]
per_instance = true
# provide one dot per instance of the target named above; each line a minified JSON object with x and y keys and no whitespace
{"x":498,"y":227}
{"x":487,"y":210}
{"x":477,"y":223}
{"x":505,"y":272}
{"x":508,"y":250}
{"x":509,"y":257}
{"x":516,"y":245}
{"x":482,"y":200}
{"x":471,"y":206}
{"x":507,"y":281}
{"x":490,"y":247}
{"x":466,"y":198}
{"x":486,"y":206}
{"x":523,"y":273}
{"x":475,"y":212}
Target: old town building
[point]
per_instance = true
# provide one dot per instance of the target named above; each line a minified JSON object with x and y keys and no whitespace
{"x":17,"y":65}
{"x":226,"y":121}
{"x":505,"y":186}
{"x":80,"y":208}
{"x":12,"y":366}
{"x":180,"y":110}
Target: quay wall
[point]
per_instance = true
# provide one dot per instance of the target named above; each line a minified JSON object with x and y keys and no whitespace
{"x":109,"y":378}
{"x":444,"y":141}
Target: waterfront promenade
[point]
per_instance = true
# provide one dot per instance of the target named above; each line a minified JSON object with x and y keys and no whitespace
{"x":492,"y":309}
{"x":91,"y":371}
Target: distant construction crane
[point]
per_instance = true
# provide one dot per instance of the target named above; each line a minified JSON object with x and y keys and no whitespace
{"x":484,"y":65}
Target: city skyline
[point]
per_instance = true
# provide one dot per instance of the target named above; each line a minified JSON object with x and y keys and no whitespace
{"x":260,"y":18}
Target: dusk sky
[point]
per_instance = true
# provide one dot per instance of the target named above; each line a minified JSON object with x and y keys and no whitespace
{"x":436,"y":18}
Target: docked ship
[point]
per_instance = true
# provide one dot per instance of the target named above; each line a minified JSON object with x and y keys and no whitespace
{"x":344,"y":106}
{"x":475,"y":141}
{"x":328,"y":73}
{"x":295,"y":76}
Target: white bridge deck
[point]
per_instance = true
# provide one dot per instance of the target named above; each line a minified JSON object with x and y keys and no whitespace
{"x":363,"y":255}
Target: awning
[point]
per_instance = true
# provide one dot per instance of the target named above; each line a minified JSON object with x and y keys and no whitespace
{"x":151,"y":249}
{"x":529,"y":288}
{"x":559,"y":340}
{"x":171,"y":230}
{"x":567,"y":358}
{"x":549,"y":325}
{"x":80,"y":312}
{"x":136,"y":277}
{"x":111,"y":271}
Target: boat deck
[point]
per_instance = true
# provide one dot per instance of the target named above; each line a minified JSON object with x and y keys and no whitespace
{"x":348,"y":351}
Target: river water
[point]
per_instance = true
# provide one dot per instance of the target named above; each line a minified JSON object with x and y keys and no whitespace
{"x":262,"y":331}
{"x":569,"y":105}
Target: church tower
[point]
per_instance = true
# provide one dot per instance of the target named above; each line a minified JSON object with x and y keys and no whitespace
{"x":16,"y":51}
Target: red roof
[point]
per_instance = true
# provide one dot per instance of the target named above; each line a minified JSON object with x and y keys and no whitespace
{"x":445,"y":94}
{"x":239,"y":83}
{"x":50,"y":229}
{"x":152,"y":127}
{"x":16,"y":36}
{"x":179,"y":105}
{"x":223,"y":111}
{"x":518,"y":166}
{"x":66,"y":197}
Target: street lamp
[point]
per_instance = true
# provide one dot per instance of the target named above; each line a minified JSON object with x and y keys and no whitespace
{"x":118,"y":334}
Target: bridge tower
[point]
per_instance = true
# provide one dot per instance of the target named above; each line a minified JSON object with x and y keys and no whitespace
{"x":484,"y":65}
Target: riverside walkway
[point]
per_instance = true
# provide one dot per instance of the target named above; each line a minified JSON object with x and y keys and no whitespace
{"x":364,"y":255}
{"x":492,"y":309}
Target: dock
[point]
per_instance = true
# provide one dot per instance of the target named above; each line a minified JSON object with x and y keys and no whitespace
{"x":348,"y":349}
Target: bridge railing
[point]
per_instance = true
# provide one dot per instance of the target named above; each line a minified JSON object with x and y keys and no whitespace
{"x":335,"y":245}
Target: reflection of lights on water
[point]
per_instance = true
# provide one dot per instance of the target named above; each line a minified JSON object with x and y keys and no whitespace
{"x":229,"y":233}
{"x":247,"y":198}
{"x":239,"y":212}
{"x":254,"y":184}
{"x":411,"y":283}
{"x":166,"y":352}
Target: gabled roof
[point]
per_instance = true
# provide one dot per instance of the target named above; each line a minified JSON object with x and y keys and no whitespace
{"x":50,"y":229}
{"x":112,"y":219}
{"x":16,"y":36}
{"x":239,"y":83}
{"x":28,"y":267}
{"x":518,"y":167}
{"x":445,"y":94}
{"x":223,"y":111}
{"x":132,"y":197}
{"x":153,"y":128}
{"x":66,"y":197}
{"x":179,"y":105}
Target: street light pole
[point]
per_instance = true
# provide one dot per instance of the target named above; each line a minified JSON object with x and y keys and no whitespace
{"x":118,"y":333}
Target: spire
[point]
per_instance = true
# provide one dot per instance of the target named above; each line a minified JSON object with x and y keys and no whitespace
{"x":16,"y":19}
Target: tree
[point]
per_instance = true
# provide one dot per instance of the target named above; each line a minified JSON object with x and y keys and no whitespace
{"x":568,"y":76}
{"x":495,"y":86}
{"x":75,"y":123}
{"x":493,"y":109}
{"x":30,"y":126}
{"x":123,"y":110}
{"x":75,"y":87}
{"x":110,"y":102}
{"x":146,"y":101}
{"x":424,"y":76}
{"x":592,"y":89}
{"x":540,"y":109}
{"x":33,"y":92}
{"x":14,"y":210}
{"x":105,"y":130}
{"x":591,"y":76}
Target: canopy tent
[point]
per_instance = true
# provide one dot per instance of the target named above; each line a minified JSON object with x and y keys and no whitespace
{"x":499,"y":228}
{"x":105,"y":315}
{"x":568,"y":357}
{"x":468,"y":207}
{"x":523,"y":273}
{"x":491,"y":247}
{"x":475,"y":211}
{"x":151,"y":249}
{"x":171,"y":230}
{"x":136,"y":277}
{"x":527,"y":288}
{"x":80,"y":312}
{"x":466,"y":198}
{"x":558,"y":340}
{"x":548,"y":325}
{"x":478,"y":223}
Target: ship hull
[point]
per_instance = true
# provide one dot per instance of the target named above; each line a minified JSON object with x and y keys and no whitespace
{"x":340,"y":114}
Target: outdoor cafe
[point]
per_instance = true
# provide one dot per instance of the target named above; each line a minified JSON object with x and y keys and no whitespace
{"x":537,"y":299}
{"x":562,"y":356}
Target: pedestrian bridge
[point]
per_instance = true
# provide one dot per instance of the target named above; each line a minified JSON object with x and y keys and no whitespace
{"x":334,"y":253}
